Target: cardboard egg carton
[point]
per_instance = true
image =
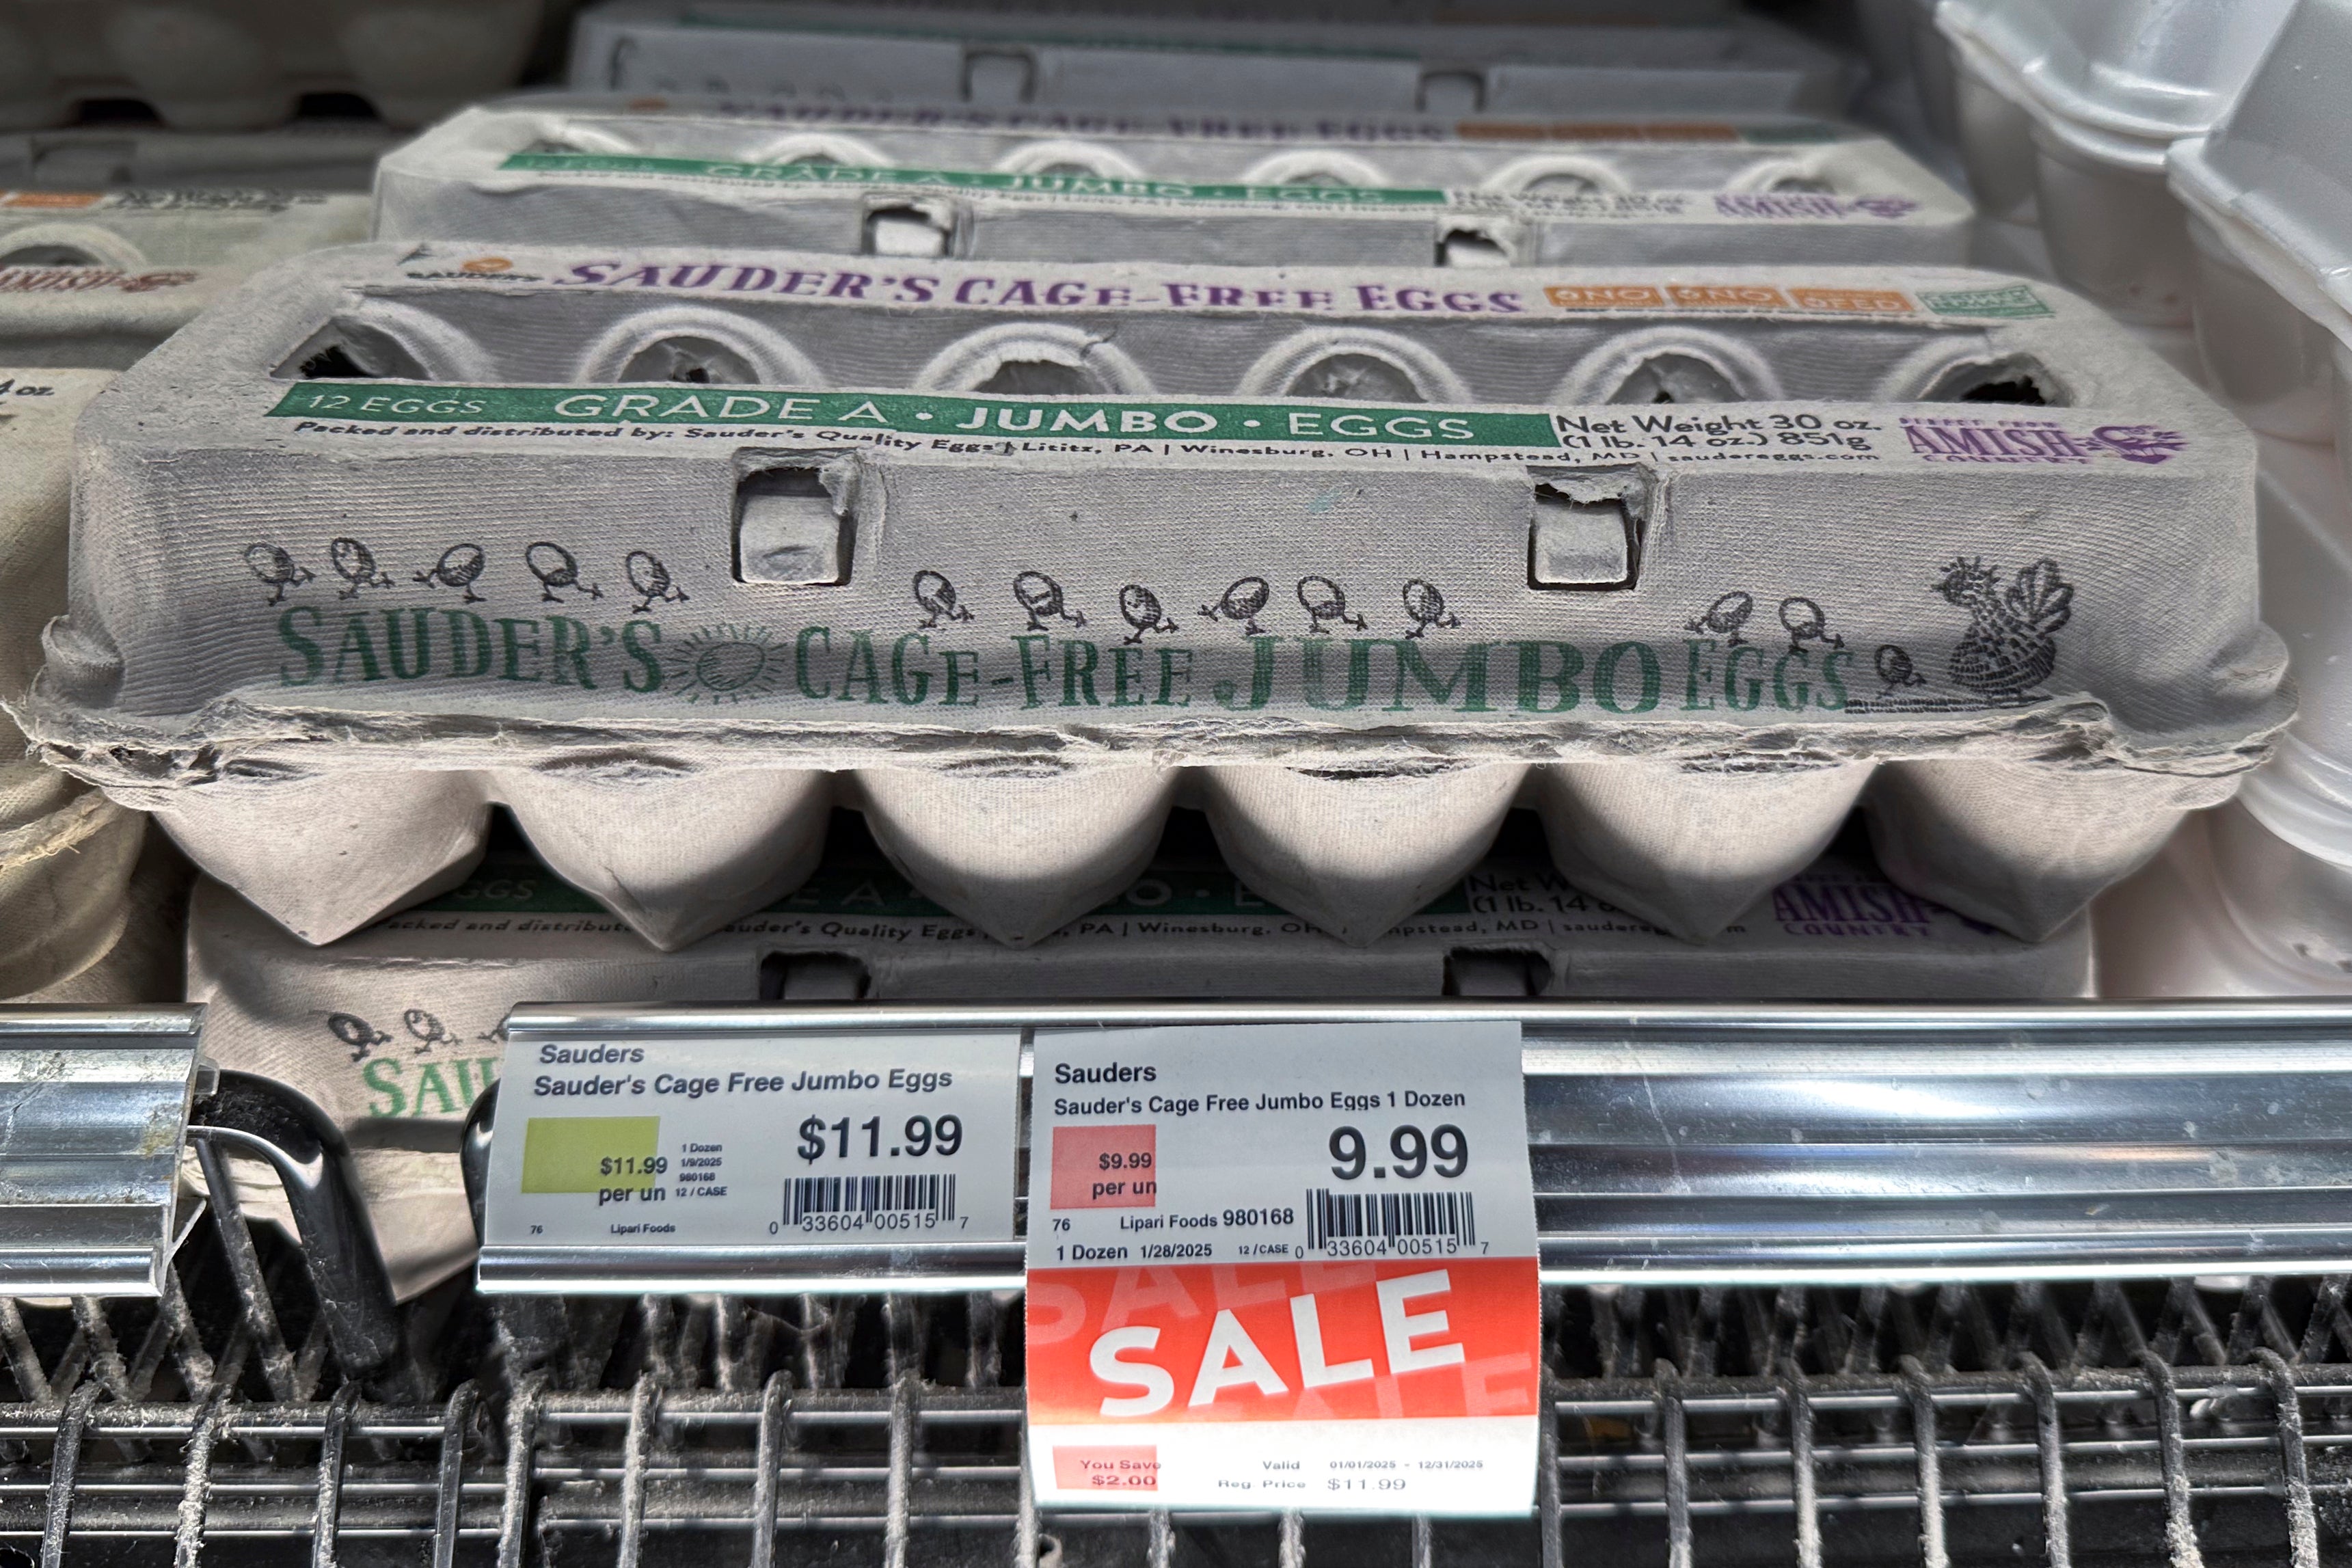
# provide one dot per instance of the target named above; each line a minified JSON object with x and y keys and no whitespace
{"x":96,"y":279}
{"x":65,"y":851}
{"x":669,"y":552}
{"x":1014,"y":185}
{"x":241,"y":65}
{"x":1252,"y":63}
{"x":395,"y":1030}
{"x":309,"y":155}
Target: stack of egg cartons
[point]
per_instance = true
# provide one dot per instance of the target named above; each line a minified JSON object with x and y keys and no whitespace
{"x":1027,"y":452}
{"x":2258,"y":899}
{"x":112,"y":236}
{"x":2063,"y":114}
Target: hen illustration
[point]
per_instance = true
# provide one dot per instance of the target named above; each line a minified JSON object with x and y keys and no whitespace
{"x":2010,"y":646}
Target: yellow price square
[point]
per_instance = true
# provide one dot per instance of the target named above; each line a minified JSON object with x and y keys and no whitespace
{"x":567,"y":1154}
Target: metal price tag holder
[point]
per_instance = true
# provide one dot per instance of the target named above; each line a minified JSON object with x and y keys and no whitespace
{"x":1754,"y":1144}
{"x":93,"y":1108}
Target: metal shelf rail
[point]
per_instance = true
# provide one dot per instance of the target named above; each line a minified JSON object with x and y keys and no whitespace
{"x":270,"y":1400}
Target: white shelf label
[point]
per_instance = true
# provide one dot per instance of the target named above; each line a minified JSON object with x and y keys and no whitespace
{"x":1283,"y":1266}
{"x":781,"y":1140}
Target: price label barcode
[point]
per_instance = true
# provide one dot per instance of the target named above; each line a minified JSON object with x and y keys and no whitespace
{"x":1388,"y":1217}
{"x":933,"y":1195}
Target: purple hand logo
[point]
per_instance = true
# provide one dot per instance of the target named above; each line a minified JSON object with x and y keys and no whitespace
{"x":2138,"y":443}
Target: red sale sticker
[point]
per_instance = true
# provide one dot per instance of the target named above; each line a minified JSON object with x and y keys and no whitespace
{"x":1293,"y":1267}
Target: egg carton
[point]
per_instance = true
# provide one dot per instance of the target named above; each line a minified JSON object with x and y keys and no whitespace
{"x":2269,"y":216}
{"x":65,"y":851}
{"x":241,"y":65}
{"x":393,"y":1030}
{"x":975,"y":184}
{"x":1359,"y":558}
{"x":2067,"y":113}
{"x":1254,"y":65}
{"x":95,"y":279}
{"x":309,"y":155}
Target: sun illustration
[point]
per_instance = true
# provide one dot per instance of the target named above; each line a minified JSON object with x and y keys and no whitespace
{"x":725,"y":664}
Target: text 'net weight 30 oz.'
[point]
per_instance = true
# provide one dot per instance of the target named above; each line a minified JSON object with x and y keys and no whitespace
{"x":1283,"y":1264}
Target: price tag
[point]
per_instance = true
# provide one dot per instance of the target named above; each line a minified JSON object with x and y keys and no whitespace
{"x":1283,"y":1266}
{"x":777,"y":1139}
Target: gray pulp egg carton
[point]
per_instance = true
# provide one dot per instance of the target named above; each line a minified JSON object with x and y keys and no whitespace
{"x":96,"y":279}
{"x":670,"y":551}
{"x":1253,"y":64}
{"x":307,"y":155}
{"x":237,"y":65}
{"x":395,"y":1030}
{"x":1404,"y":191}
{"x":65,"y":851}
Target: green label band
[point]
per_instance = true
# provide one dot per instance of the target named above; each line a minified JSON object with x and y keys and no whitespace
{"x":914,"y":413}
{"x":1042,"y":184}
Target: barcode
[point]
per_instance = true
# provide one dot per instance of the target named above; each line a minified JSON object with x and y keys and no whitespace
{"x":1385,"y":1217}
{"x":932,"y":1195}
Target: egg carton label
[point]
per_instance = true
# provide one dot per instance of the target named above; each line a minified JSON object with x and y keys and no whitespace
{"x":1283,"y":1266}
{"x":748,"y":1141}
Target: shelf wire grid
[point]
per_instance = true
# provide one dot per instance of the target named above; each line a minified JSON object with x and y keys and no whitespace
{"x":2184,"y":1423}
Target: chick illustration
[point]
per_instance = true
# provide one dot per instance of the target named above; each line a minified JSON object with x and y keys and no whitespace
{"x":459,"y":567}
{"x":556,"y":569}
{"x":357,"y":1032}
{"x":1426,"y":606}
{"x":356,"y":563}
{"x":277,"y":569}
{"x":1139,"y":606}
{"x":937,"y":597}
{"x":651,"y":579}
{"x":1725,"y":616}
{"x":1895,"y":669}
{"x":1042,"y":597}
{"x":1805,"y":622}
{"x":1242,"y":602}
{"x":428,"y":1030}
{"x":1324,"y":600}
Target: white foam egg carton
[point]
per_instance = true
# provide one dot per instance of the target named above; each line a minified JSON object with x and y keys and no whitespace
{"x":2170,"y":930}
{"x":307,"y":155}
{"x":983,"y":184}
{"x":2270,"y":211}
{"x":96,"y":279}
{"x":241,"y":65}
{"x":1248,"y":64}
{"x":668,"y":551}
{"x":2065,"y":113}
{"x":395,"y":1030}
{"x":65,"y":851}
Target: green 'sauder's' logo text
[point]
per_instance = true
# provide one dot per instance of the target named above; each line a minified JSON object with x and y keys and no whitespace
{"x":730,"y":664}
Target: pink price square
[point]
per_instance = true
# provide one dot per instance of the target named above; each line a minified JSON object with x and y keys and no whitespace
{"x":1105,"y":1167}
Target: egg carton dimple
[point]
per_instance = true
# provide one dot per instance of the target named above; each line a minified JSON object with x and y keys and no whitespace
{"x":241,"y":65}
{"x":96,"y":279}
{"x":669,"y":552}
{"x":882,"y":54}
{"x":908,"y":182}
{"x":396,"y":1027}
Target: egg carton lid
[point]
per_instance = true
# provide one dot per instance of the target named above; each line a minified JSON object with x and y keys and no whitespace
{"x":1145,"y":122}
{"x":2119,"y":80}
{"x":181,"y":400}
{"x":2274,"y":175}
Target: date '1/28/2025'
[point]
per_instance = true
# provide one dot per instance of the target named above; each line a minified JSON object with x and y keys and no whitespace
{"x":1444,"y":1150}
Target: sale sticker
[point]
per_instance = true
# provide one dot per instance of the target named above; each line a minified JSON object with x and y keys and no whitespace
{"x":755,"y":1139}
{"x":1283,"y":1266}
